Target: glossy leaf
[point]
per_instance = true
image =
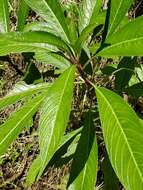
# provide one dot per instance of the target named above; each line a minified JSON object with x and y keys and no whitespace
{"x":4,"y":16}
{"x":85,"y":159}
{"x":51,"y":11}
{"x":123,"y":138}
{"x":23,"y":10}
{"x":21,"y":91}
{"x":17,"y":122}
{"x":125,"y":42}
{"x":54,"y":116}
{"x":17,"y":42}
{"x":118,"y":10}
{"x":89,"y":11}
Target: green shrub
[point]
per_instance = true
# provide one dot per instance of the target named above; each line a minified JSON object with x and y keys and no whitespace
{"x":74,"y":38}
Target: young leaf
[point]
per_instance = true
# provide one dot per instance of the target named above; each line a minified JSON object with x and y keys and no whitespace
{"x":54,"y":116}
{"x":127,"y":41}
{"x":83,"y":36}
{"x":123,"y":138}
{"x":51,"y":11}
{"x":118,"y":11}
{"x":17,"y":122}
{"x":23,"y":10}
{"x":85,"y":159}
{"x":4,"y":16}
{"x":20,"y":92}
{"x":17,"y":42}
{"x":89,"y":11}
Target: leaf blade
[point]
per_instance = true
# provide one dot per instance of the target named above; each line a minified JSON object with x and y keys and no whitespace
{"x":88,"y":12}
{"x":20,"y":92}
{"x":23,"y":10}
{"x":13,"y":126}
{"x":117,"y":12}
{"x":122,"y":134}
{"x":4,"y":16}
{"x":17,"y":42}
{"x":85,"y":159}
{"x":51,"y":11}
{"x":122,"y":41}
{"x":35,"y":167}
{"x":53,"y":59}
{"x":54,"y":114}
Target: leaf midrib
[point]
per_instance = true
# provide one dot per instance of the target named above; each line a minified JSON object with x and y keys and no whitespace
{"x":115,"y":17}
{"x":23,"y":94}
{"x":5,"y":17}
{"x":46,"y":4}
{"x":58,"y":22}
{"x":55,"y":120}
{"x":85,"y":168}
{"x":118,"y":44}
{"x":122,"y":131}
{"x":21,"y":120}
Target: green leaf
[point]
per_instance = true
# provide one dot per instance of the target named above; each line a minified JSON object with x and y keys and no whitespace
{"x":4,"y":16}
{"x":135,"y":90}
{"x":23,"y":10}
{"x":21,"y":91}
{"x":17,"y":42}
{"x":51,"y":11}
{"x":109,"y":69}
{"x":88,"y":13}
{"x":35,"y":167}
{"x":85,"y":159}
{"x":139,"y":72}
{"x":124,"y":72}
{"x":73,"y":29}
{"x":54,"y":116}
{"x":118,"y":11}
{"x":71,"y":11}
{"x":69,"y":136}
{"x":127,"y":41}
{"x":53,"y":59}
{"x":39,"y":26}
{"x":32,"y":75}
{"x":33,"y":171}
{"x":17,"y":122}
{"x":83,"y":36}
{"x":110,"y":179}
{"x":123,"y":138}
